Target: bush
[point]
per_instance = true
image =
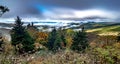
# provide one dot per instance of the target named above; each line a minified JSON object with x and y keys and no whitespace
{"x":106,"y":55}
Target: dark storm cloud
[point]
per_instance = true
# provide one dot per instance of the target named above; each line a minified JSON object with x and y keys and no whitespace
{"x":83,"y":4}
{"x":30,"y":7}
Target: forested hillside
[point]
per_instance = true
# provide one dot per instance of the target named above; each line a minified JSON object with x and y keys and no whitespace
{"x":71,"y":39}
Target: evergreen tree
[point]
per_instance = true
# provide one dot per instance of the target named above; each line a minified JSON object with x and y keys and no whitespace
{"x":51,"y":39}
{"x":58,"y":42}
{"x":19,"y":35}
{"x":79,"y":41}
{"x":54,"y":40}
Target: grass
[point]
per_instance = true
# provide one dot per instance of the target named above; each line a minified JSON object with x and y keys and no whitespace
{"x":110,"y":30}
{"x":62,"y":58}
{"x":116,"y":29}
{"x":98,"y":55}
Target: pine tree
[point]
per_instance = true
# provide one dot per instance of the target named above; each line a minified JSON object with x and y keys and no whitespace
{"x":19,"y":35}
{"x":58,"y":42}
{"x":51,"y":39}
{"x":54,"y":40}
{"x":79,"y":41}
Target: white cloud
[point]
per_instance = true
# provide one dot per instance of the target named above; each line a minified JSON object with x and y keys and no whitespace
{"x":57,"y":13}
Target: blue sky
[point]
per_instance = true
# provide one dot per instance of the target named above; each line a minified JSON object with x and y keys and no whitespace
{"x":70,"y":10}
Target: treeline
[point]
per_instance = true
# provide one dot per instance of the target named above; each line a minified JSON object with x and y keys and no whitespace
{"x":93,"y":25}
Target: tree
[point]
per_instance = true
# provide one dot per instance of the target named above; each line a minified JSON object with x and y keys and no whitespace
{"x":63,"y":39}
{"x":79,"y":41}
{"x":69,"y":38}
{"x":58,"y":42}
{"x":54,"y":40}
{"x":51,"y":39}
{"x":42,"y":38}
{"x":62,"y":36}
{"x":3,"y":9}
{"x":20,"y":37}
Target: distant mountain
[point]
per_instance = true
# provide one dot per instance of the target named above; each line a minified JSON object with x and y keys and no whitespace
{"x":96,"y":27}
{"x":93,"y":25}
{"x":71,"y":25}
{"x":6,"y":25}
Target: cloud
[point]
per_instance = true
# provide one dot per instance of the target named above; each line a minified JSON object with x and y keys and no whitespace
{"x":65,"y":13}
{"x":61,"y":10}
{"x":26,"y":7}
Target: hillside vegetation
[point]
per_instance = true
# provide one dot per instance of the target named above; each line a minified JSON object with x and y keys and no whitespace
{"x":29,"y":45}
{"x":109,"y":30}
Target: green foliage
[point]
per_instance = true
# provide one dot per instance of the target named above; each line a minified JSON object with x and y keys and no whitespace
{"x":58,"y":42}
{"x":51,"y":39}
{"x":60,"y":39}
{"x":27,"y":42}
{"x":19,"y":35}
{"x":116,"y":29}
{"x":106,"y":30}
{"x":69,"y":34}
{"x":55,"y":40}
{"x":17,"y":32}
{"x":6,"y":61}
{"x":79,"y":41}
{"x":108,"y":55}
{"x":63,"y":38}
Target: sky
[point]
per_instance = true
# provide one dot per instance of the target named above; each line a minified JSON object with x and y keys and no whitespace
{"x":62,"y":10}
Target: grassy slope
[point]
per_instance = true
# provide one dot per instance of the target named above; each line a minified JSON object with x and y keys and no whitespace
{"x":109,"y":30}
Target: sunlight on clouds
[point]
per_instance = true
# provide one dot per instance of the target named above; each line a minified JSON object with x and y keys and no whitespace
{"x":70,"y":13}
{"x":81,"y":14}
{"x":63,"y":16}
